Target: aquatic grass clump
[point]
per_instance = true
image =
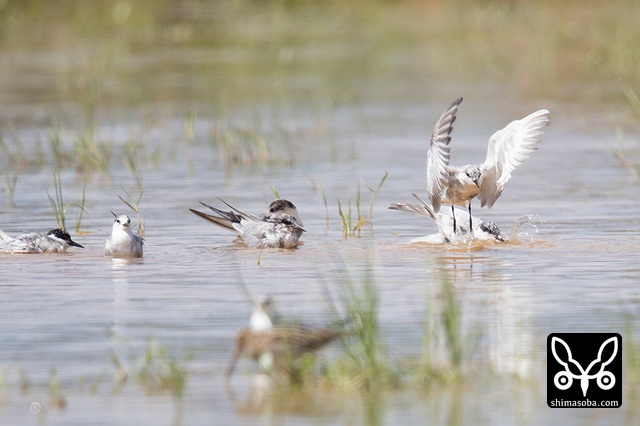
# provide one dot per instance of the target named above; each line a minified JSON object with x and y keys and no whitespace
{"x":131,"y":157}
{"x":133,"y":205}
{"x":298,"y":373}
{"x":120,"y":375}
{"x":444,"y":345}
{"x":55,"y":396}
{"x":320,"y":187}
{"x":629,"y":158}
{"x":157,"y":371}
{"x":624,"y":157}
{"x":4,"y":387}
{"x":63,"y":157}
{"x":631,"y":353}
{"x":365,"y":363}
{"x":251,"y":145}
{"x":15,"y":163}
{"x":91,"y":154}
{"x":60,"y":208}
{"x":14,"y":154}
{"x":11,"y":181}
{"x":351,"y":228}
{"x":345,"y":218}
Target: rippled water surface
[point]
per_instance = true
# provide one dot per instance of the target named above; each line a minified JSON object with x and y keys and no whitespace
{"x":73,"y":318}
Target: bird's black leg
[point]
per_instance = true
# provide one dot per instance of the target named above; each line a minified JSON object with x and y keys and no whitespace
{"x":453,"y":214}
{"x":470,"y":220}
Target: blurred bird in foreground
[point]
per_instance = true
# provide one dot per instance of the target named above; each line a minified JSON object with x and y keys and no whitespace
{"x":276,"y":347}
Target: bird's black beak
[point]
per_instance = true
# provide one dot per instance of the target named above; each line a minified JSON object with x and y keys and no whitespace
{"x":73,"y":243}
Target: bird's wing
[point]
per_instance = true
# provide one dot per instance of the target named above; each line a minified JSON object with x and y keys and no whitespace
{"x":225,"y":219}
{"x":31,"y":242}
{"x":222,"y":222}
{"x":423,"y":209}
{"x":297,"y":341}
{"x":4,"y":237}
{"x":439,"y":154}
{"x":235,"y":213}
{"x":508,"y":148}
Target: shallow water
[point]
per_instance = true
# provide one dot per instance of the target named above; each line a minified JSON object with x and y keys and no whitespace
{"x":575,"y":270}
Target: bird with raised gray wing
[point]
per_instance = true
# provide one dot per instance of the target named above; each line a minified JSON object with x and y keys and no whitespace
{"x":507,"y":149}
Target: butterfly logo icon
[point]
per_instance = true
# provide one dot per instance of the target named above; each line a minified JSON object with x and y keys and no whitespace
{"x":564,"y":379}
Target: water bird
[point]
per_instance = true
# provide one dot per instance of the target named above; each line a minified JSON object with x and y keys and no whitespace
{"x":123,"y":242}
{"x":483,"y":230}
{"x":507,"y":149}
{"x":54,"y":240}
{"x":280,"y":227}
{"x":275,"y":346}
{"x":263,"y":315}
{"x":279,"y":346}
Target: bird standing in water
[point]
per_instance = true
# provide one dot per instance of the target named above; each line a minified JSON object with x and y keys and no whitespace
{"x":275,"y":347}
{"x":281,"y":344}
{"x":507,"y":149}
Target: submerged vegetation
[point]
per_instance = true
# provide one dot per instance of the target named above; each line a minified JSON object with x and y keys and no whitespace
{"x":60,"y":208}
{"x":156,"y":371}
{"x":484,"y":36}
{"x":629,"y":156}
{"x":133,"y":205}
{"x":351,"y":227}
{"x":367,"y":363}
{"x":251,"y":145}
{"x":272,"y":69}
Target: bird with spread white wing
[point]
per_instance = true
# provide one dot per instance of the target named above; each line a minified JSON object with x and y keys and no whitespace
{"x":507,"y":149}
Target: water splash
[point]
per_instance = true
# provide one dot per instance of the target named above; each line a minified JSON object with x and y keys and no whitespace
{"x":526,"y":227}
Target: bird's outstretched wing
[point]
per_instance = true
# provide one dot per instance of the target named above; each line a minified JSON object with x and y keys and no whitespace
{"x":439,"y":154}
{"x":422,"y":209}
{"x":4,"y":237}
{"x":225,"y":219}
{"x":508,"y":148}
